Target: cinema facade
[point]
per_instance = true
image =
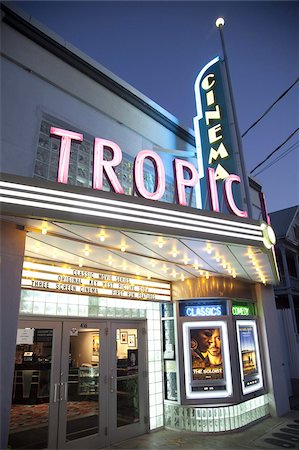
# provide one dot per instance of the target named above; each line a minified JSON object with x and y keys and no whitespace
{"x":136,"y":273}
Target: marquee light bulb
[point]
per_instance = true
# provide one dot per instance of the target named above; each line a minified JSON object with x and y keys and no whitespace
{"x":160,"y":244}
{"x":174,"y":253}
{"x":123,"y":248}
{"x":209,"y":249}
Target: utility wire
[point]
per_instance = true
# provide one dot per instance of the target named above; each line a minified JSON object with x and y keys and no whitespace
{"x":285,"y":153}
{"x":275,"y":150}
{"x":270,"y":107}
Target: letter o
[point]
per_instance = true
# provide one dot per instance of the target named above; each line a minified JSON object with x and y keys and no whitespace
{"x":159,"y":173}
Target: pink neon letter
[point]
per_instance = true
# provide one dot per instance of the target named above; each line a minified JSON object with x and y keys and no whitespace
{"x":213,"y":189}
{"x":159,"y":172}
{"x":181,"y":182}
{"x":229,"y":195}
{"x":99,"y":164}
{"x":65,"y":150}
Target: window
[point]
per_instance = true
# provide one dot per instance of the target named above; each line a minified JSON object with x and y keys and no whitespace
{"x":291,"y":262}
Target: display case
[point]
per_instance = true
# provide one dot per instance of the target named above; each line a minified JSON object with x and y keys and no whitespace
{"x":88,"y":380}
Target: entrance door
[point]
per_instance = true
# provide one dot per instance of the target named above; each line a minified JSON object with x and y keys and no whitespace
{"x":35,"y":407}
{"x":95,"y":383}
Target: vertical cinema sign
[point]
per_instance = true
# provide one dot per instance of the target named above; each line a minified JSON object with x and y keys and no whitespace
{"x":220,"y":184}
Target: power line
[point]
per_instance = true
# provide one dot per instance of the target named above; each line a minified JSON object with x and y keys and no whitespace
{"x":274,"y":151}
{"x":270,"y":107}
{"x":285,"y":153}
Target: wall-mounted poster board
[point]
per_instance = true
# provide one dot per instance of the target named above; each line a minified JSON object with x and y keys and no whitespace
{"x":206,"y":360}
{"x":249,"y":356}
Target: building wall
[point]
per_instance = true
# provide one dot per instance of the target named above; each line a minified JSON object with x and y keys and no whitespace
{"x":35,"y":82}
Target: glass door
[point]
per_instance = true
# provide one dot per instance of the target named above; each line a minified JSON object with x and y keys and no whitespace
{"x":83,"y":386}
{"x":34,"y":409}
{"x":78,"y":385}
{"x":128,"y":381}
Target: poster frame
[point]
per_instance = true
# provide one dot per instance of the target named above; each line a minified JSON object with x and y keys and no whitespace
{"x":260,"y":384}
{"x":208,"y":386}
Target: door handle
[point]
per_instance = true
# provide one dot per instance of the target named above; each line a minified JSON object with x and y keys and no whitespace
{"x":65,"y":391}
{"x":55,"y":392}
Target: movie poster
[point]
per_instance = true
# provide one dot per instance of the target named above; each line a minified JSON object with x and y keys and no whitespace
{"x":206,"y":354}
{"x":248,"y":351}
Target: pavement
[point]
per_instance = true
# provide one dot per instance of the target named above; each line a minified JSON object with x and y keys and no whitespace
{"x":268,"y":433}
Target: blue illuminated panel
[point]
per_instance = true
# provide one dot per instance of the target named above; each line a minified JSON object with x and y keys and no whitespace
{"x":212,"y":308}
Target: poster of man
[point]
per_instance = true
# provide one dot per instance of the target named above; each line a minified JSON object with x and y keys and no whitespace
{"x":248,"y":350}
{"x":206,"y":354}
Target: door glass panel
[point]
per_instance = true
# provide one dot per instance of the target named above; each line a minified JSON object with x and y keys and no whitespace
{"x":31,"y":389}
{"x":83,"y":383}
{"x":127,"y":376}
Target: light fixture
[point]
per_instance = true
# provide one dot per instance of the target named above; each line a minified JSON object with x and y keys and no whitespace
{"x":209,"y":249}
{"x":123,"y":248}
{"x":218,"y":258}
{"x":182,"y":277}
{"x":80,"y":263}
{"x":102,"y":236}
{"x":234,"y":274}
{"x":174,"y":274}
{"x":186,"y":261}
{"x":196,"y":266}
{"x":224,"y":265}
{"x":160,"y":243}
{"x":148,"y":277}
{"x":220,"y":22}
{"x":86,"y":251}
{"x":44,"y":228}
{"x":207,"y":275}
{"x":174,"y":253}
{"x":165,"y":268}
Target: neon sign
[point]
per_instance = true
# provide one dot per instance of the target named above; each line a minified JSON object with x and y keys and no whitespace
{"x":185,"y":173}
{"x":214,"y":143}
{"x":202,"y":311}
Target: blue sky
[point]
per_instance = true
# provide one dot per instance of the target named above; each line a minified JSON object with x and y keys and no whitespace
{"x":159,"y":47}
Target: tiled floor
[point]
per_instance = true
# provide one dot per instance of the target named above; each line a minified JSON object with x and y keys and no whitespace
{"x":258,"y":436}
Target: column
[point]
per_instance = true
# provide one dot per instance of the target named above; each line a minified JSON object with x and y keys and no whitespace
{"x":12,"y":252}
{"x":272,"y":351}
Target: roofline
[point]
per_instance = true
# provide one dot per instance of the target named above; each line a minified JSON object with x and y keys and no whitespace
{"x":23,"y":23}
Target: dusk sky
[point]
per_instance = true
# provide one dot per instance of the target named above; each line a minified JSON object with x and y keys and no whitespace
{"x":160,"y":46}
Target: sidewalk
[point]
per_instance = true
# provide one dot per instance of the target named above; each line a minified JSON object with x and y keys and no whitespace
{"x":270,"y":433}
